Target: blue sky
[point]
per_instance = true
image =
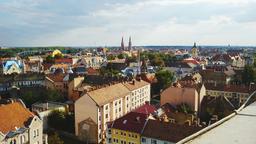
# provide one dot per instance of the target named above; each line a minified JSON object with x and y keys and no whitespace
{"x":149,"y":22}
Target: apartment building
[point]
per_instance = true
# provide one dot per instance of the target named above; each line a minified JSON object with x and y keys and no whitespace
{"x":239,"y":92}
{"x":98,"y":107}
{"x":184,"y":92}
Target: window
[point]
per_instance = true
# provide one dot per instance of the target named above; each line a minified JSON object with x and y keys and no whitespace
{"x":22,"y":139}
{"x":106,"y":107}
{"x":37,"y":132}
{"x":153,"y":141}
{"x":143,"y":140}
{"x":121,"y":133}
{"x":109,"y":140}
{"x":34,"y":133}
{"x":165,"y":142}
{"x":119,"y":109}
{"x":106,"y":116}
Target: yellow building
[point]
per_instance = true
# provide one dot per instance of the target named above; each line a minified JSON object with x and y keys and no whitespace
{"x":56,"y":52}
{"x":127,"y":129}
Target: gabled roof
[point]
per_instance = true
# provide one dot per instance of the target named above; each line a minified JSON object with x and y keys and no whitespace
{"x":146,"y":109}
{"x":132,"y":122}
{"x":133,"y":85}
{"x":107,"y":94}
{"x":12,"y":116}
{"x":168,"y":131}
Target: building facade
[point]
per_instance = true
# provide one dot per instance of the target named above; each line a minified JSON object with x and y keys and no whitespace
{"x":98,"y":107}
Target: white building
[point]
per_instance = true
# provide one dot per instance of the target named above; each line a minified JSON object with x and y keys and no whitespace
{"x":45,"y":109}
{"x":18,"y":125}
{"x":97,"y":107}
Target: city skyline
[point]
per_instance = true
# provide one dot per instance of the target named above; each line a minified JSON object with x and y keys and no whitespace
{"x":148,"y":22}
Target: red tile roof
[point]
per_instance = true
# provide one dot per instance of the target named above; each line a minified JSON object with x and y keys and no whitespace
{"x":145,"y":109}
{"x":168,"y":131}
{"x":195,"y":62}
{"x":13,"y":115}
{"x":230,"y":88}
{"x":64,"y":60}
{"x":132,"y":122}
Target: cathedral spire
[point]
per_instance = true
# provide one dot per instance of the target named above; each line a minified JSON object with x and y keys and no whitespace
{"x":122,"y":44}
{"x":194,"y":44}
{"x":130,"y":44}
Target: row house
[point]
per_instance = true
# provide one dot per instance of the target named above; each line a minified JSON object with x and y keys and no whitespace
{"x":22,"y":80}
{"x":98,"y":107}
{"x":231,"y":91}
{"x":19,"y":126}
{"x":142,"y":128}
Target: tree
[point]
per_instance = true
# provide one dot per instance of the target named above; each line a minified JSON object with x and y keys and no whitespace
{"x":111,"y":57}
{"x":53,"y":95}
{"x":55,"y":139}
{"x":57,"y":120}
{"x":121,"y":56}
{"x":49,"y":59}
{"x":248,"y":75}
{"x":184,"y":108}
{"x":157,"y":61}
{"x":164,"y":80}
{"x":62,"y":121}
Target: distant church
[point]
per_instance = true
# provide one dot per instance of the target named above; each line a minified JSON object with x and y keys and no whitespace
{"x":194,"y":51}
{"x":129,"y":48}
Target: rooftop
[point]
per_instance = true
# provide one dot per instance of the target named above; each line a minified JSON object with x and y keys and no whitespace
{"x":109,"y":93}
{"x":12,"y":116}
{"x":146,"y":109}
{"x":133,"y":85}
{"x":168,"y":131}
{"x":133,"y":122}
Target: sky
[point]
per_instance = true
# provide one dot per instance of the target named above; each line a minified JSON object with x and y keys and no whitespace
{"x":148,"y":22}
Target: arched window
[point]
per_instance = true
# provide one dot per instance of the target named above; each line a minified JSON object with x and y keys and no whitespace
{"x":22,"y":139}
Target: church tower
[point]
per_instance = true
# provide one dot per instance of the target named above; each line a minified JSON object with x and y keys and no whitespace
{"x":122,"y":44}
{"x":194,"y":50}
{"x":130,"y":44}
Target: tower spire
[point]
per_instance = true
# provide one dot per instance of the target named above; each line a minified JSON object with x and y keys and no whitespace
{"x":130,"y":44}
{"x":122,"y":44}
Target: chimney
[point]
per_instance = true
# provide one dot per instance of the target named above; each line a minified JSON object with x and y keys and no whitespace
{"x":138,"y":119}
